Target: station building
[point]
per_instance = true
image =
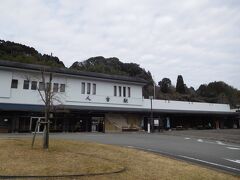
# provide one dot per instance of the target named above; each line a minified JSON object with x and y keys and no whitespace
{"x":95,"y":102}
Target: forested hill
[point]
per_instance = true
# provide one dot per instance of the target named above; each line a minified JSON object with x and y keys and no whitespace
{"x":112,"y":66}
{"x":115,"y":67}
{"x":214,"y":92}
{"x":17,"y":52}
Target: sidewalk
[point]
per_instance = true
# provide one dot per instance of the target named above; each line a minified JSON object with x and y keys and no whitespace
{"x":226,"y":135}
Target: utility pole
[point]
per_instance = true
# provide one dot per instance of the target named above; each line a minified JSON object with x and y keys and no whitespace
{"x":154,"y":93}
{"x":154,"y":90}
{"x":150,"y":121}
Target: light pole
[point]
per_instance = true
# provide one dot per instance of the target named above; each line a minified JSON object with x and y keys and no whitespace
{"x":150,"y":121}
{"x":154,"y":90}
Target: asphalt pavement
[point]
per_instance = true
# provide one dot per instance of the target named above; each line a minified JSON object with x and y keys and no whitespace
{"x":225,"y":135}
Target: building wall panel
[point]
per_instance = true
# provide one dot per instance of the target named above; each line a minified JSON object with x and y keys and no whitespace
{"x":5,"y":83}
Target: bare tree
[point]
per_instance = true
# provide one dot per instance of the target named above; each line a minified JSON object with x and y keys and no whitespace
{"x":48,"y":97}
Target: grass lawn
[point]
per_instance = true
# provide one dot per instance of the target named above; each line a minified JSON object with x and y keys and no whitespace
{"x":74,"y":157}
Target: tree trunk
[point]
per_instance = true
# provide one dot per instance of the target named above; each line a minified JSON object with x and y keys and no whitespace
{"x":46,"y":130}
{"x":47,"y":98}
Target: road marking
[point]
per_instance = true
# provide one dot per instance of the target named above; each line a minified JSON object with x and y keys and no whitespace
{"x":233,"y":148}
{"x":232,"y":160}
{"x":215,"y":164}
{"x":223,"y":144}
{"x":220,"y":143}
{"x":187,"y":138}
{"x":155,"y":151}
{"x":186,"y":157}
{"x":200,"y":140}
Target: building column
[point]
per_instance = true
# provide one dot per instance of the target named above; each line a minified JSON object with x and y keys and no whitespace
{"x":14,"y":124}
{"x":217,"y":124}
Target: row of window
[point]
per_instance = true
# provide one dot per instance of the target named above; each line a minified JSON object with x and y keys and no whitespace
{"x":126,"y":91}
{"x":83,"y":88}
{"x":86,"y":88}
{"x":33,"y":84}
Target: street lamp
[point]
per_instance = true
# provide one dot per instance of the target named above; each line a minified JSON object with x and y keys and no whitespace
{"x":150,"y":121}
{"x":154,"y":87}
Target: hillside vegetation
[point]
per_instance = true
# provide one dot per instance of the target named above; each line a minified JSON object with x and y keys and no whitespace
{"x":17,"y":52}
{"x":214,"y":92}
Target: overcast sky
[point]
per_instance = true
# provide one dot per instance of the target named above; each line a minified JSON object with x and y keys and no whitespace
{"x":198,"y":39}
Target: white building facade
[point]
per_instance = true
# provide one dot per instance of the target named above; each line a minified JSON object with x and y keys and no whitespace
{"x":85,"y":101}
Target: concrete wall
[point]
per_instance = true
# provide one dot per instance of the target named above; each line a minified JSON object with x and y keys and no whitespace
{"x":104,"y":90}
{"x":72,"y":96}
{"x":122,"y":122}
{"x":185,"y":106}
{"x":5,"y":84}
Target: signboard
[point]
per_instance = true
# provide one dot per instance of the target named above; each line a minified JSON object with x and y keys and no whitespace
{"x":156,"y":122}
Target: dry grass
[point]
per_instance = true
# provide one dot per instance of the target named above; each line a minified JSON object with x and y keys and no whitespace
{"x":65,"y":157}
{"x":17,"y":158}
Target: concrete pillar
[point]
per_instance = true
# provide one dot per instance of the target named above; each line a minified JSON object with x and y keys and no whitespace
{"x":217,"y":124}
{"x":221,"y":124}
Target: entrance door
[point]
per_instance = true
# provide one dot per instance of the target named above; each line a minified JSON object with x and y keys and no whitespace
{"x":33,"y":123}
{"x":97,"y":124}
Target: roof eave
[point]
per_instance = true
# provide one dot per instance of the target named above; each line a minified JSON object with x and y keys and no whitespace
{"x":17,"y":65}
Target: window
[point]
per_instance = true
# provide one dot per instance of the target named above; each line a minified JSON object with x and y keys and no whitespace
{"x":88,"y":88}
{"x":62,"y":88}
{"x":26,"y":84}
{"x":120,"y":90}
{"x":94,"y":89}
{"x":14,"y":83}
{"x":34,"y":85}
{"x":55,"y":87}
{"x":41,"y":86}
{"x":115,"y":90}
{"x":124,"y":91}
{"x":83,"y":88}
{"x":129,"y":92}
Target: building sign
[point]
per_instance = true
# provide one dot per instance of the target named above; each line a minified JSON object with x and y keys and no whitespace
{"x":156,"y":122}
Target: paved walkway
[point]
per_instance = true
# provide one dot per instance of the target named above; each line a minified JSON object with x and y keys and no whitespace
{"x":226,"y":135}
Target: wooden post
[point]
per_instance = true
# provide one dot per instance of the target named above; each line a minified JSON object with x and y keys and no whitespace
{"x":34,"y":136}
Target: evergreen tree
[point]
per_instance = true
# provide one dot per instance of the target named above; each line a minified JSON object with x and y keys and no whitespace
{"x":180,"y":87}
{"x":165,"y":85}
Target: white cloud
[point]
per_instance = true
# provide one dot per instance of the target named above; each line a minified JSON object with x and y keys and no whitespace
{"x":198,"y":39}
